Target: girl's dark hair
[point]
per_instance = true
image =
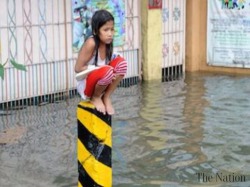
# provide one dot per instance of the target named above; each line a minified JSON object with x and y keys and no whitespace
{"x":99,"y":18}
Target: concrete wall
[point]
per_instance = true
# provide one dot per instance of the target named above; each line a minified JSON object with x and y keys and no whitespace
{"x":196,"y":37}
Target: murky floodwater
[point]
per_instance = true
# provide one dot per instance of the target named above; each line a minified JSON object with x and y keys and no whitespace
{"x":164,"y":134}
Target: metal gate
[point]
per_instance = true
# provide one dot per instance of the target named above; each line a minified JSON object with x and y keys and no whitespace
{"x":38,"y":34}
{"x":173,"y":48}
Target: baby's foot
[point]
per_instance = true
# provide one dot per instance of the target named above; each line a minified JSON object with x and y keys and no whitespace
{"x":99,"y":105}
{"x":109,"y":107}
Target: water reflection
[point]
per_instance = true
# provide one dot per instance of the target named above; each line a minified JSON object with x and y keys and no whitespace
{"x":153,"y":141}
{"x":163,"y":135}
{"x":184,"y":128}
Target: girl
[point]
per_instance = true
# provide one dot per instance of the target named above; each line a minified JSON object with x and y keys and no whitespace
{"x":98,"y":50}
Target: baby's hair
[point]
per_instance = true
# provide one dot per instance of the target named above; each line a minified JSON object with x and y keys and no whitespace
{"x":99,"y":18}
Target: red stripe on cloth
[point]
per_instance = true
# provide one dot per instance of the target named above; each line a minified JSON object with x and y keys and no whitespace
{"x":107,"y":79}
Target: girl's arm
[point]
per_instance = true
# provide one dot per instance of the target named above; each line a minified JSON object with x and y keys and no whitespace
{"x":85,"y":54}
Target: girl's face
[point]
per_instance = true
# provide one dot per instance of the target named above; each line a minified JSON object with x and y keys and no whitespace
{"x":106,"y":32}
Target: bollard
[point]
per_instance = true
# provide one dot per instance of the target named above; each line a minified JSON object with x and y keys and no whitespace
{"x":94,"y":146}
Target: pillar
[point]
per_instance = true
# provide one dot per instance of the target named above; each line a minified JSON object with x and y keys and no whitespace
{"x":94,"y":147}
{"x":151,"y":21}
{"x":194,"y":40}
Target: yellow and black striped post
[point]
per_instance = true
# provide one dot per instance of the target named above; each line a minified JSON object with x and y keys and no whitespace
{"x":94,"y":146}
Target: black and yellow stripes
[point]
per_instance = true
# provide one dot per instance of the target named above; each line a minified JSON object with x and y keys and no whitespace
{"x":94,"y":146}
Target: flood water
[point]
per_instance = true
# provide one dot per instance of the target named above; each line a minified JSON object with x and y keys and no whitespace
{"x":191,"y":132}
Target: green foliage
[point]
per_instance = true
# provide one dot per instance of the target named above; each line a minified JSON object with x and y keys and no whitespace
{"x":1,"y":71}
{"x":15,"y":65}
{"x":18,"y":66}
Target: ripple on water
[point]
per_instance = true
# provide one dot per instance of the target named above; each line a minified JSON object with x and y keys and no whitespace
{"x":185,"y":128}
{"x":46,"y":153}
{"x":163,"y":134}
